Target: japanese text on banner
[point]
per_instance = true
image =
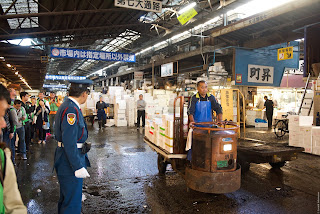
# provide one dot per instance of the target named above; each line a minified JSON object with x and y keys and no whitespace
{"x":91,"y":54}
{"x":146,"y":5}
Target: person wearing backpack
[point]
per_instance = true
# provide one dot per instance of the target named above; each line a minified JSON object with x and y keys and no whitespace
{"x":10,"y":198}
{"x":21,"y":113}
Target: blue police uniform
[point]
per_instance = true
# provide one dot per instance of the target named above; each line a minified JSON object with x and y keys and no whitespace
{"x":71,"y":131}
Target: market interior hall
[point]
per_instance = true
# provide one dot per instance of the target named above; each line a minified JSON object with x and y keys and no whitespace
{"x":159,"y":106}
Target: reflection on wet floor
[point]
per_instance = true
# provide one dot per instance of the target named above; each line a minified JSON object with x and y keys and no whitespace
{"x":124,"y":179}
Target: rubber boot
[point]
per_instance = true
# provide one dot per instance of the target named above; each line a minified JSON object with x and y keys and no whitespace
{"x":100,"y":124}
{"x":103,"y":123}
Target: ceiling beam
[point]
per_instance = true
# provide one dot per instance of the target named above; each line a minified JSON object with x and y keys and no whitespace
{"x":23,"y":34}
{"x":63,"y":13}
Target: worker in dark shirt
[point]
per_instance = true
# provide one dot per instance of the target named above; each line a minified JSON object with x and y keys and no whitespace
{"x":268,"y":105}
{"x":202,"y":104}
{"x":201,"y":107}
{"x":102,"y":117}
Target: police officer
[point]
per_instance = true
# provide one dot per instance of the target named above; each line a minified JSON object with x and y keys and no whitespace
{"x":71,"y":159}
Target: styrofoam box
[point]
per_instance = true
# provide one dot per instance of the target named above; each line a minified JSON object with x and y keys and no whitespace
{"x":316,"y":140}
{"x":305,"y":120}
{"x":306,"y":138}
{"x":121,"y":104}
{"x":169,"y":130}
{"x":120,"y":111}
{"x":305,"y":112}
{"x":120,"y":115}
{"x":309,"y":95}
{"x":168,"y":145}
{"x":294,"y":139}
{"x":146,"y":131}
{"x":120,"y":118}
{"x":293,"y":122}
{"x":120,"y":123}
{"x":261,"y":125}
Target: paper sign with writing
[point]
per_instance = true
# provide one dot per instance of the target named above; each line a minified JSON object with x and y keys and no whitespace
{"x":285,"y":53}
{"x":167,"y":70}
{"x":186,"y":16}
{"x":260,"y":74}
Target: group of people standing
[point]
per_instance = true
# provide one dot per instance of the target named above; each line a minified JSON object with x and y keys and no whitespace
{"x":27,"y":118}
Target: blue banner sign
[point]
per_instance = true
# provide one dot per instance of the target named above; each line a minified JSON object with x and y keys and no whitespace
{"x":55,"y":86}
{"x":62,"y":77}
{"x":91,"y":54}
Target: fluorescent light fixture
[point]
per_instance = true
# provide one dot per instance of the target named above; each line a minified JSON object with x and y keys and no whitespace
{"x":257,"y":6}
{"x":9,"y":65}
{"x":145,"y":19}
{"x":188,"y":7}
{"x":1,"y":57}
{"x":227,"y":147}
{"x":16,"y":73}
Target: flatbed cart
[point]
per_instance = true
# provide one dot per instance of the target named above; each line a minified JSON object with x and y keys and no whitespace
{"x":213,"y":168}
{"x":254,"y":151}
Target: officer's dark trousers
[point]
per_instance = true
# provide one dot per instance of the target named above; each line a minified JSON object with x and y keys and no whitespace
{"x":143,"y":115}
{"x":269,"y":118}
{"x":70,"y":195}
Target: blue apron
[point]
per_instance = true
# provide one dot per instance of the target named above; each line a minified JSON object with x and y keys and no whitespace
{"x":203,"y":113}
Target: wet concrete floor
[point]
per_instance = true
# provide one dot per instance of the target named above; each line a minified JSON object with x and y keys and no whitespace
{"x":124,"y":179}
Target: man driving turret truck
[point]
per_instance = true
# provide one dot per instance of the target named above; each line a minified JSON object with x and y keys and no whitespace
{"x":201,"y":106}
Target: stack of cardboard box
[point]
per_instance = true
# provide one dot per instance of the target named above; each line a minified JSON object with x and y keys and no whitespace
{"x":120,"y":113}
{"x":300,"y":132}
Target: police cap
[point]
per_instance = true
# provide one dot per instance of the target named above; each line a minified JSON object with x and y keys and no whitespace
{"x":79,"y":86}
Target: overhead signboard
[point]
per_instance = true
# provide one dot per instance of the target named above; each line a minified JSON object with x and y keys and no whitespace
{"x":260,"y":74}
{"x":167,"y":70}
{"x":92,"y":54}
{"x":55,"y":86}
{"x":146,"y":5}
{"x":62,"y":77}
{"x":285,"y":53}
{"x":138,"y":75}
{"x":186,"y":16}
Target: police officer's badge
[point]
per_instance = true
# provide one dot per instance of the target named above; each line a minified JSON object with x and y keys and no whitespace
{"x":71,"y":118}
